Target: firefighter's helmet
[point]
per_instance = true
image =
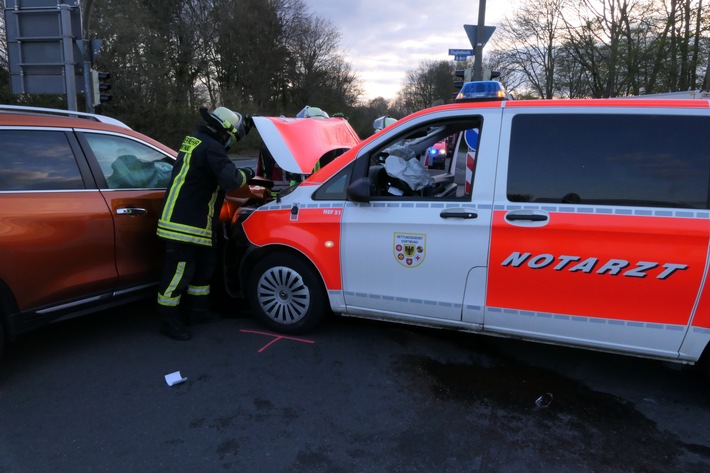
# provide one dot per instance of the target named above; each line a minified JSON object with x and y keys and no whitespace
{"x":223,"y":119}
{"x":382,"y":122}
{"x":312,"y":112}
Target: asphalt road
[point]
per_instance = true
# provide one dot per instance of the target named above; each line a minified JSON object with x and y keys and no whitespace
{"x":89,"y":395}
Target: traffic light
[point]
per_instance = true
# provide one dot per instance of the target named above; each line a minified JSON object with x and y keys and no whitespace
{"x":100,"y":87}
{"x":464,"y":75}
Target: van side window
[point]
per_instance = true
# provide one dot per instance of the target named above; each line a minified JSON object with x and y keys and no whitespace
{"x":427,"y":163}
{"x":604,"y":159}
{"x":37,"y":160}
{"x":335,"y":189}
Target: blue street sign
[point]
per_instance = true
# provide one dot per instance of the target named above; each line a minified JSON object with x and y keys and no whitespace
{"x":460,"y":52}
{"x":471,"y":137}
{"x":461,"y":58}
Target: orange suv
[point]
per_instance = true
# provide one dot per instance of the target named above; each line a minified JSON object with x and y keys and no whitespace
{"x":80,"y":195}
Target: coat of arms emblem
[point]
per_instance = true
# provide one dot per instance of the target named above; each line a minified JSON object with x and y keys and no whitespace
{"x":409,"y":249}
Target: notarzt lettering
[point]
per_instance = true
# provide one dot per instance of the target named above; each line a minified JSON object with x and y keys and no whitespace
{"x":613,"y":267}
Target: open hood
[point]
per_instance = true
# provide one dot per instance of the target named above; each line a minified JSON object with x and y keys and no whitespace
{"x":298,"y":143}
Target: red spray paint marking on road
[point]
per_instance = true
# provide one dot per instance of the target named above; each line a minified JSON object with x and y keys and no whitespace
{"x":276,"y":338}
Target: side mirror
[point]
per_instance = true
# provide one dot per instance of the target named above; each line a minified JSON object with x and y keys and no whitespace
{"x":359,"y":190}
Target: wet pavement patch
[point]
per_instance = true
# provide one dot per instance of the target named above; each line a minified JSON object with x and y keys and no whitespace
{"x":579,"y":429}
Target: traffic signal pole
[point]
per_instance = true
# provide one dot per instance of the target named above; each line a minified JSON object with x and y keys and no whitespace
{"x":478,"y":47}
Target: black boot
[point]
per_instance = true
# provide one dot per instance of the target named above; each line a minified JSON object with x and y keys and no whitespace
{"x":170,"y":324}
{"x":201,"y":316}
{"x":199,"y":310}
{"x":175,"y":330}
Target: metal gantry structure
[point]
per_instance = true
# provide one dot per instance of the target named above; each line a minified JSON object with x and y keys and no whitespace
{"x":48,"y":52}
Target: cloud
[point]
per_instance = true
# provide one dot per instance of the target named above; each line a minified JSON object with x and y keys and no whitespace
{"x":383,"y":40}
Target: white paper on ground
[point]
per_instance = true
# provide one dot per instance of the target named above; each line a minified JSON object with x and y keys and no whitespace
{"x":174,"y":378}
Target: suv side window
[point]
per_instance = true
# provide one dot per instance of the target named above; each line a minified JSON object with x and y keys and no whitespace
{"x":596,"y":159}
{"x":37,"y":160}
{"x":128,"y":164}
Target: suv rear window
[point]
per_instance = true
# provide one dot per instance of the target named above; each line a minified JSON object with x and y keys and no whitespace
{"x":37,"y":160}
{"x":640,"y":160}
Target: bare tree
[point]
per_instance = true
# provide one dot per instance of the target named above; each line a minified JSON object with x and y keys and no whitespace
{"x":685,"y":28}
{"x":313,"y":57}
{"x":594,"y":36}
{"x":531,"y":35}
{"x":513,"y":79}
{"x":258,"y":56}
{"x":3,"y":44}
{"x":628,"y":46}
{"x":379,"y":107}
{"x":431,"y":83}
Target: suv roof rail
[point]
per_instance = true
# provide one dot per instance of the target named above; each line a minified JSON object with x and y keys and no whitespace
{"x":66,"y":113}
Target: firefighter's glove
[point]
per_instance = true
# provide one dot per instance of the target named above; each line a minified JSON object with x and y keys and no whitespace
{"x":248,"y":124}
{"x":248,"y":174}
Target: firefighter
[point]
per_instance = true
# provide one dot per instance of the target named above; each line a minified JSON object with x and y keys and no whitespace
{"x":202,"y":175}
{"x":383,"y":122}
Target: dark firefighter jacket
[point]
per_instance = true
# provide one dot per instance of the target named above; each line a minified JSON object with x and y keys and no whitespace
{"x":202,"y":174}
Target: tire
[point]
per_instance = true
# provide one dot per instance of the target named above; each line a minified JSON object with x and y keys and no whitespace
{"x":287,"y":294}
{"x":702,"y":367}
{"x":2,"y":336}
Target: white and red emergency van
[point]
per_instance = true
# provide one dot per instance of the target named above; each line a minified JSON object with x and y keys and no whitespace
{"x":576,"y":222}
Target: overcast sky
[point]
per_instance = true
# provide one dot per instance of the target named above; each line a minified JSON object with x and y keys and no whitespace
{"x":383,"y":39}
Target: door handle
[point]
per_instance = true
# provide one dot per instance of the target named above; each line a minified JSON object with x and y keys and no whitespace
{"x":131,"y":211}
{"x":458,"y":213}
{"x":530,"y":217}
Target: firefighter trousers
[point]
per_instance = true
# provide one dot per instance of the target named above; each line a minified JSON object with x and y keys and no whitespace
{"x":187,"y":270}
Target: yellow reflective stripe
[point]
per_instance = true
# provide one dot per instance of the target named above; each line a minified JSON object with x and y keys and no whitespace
{"x":210,"y":207}
{"x":198,"y":290}
{"x":188,"y":145}
{"x":167,"y":298}
{"x":228,"y":126}
{"x":174,"y":190}
{"x":185,"y":238}
{"x":181,"y":227}
{"x":179,"y":272}
{"x":168,"y":301}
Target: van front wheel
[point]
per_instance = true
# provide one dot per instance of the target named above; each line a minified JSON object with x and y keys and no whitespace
{"x":286,"y":293}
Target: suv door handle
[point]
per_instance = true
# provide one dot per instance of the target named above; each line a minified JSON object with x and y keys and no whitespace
{"x":458,"y":213}
{"x":131,"y":211}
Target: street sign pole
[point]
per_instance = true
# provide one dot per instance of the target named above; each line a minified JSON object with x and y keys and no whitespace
{"x":88,"y":91}
{"x":478,"y":36}
{"x":480,"y":41}
{"x":42,"y":54}
{"x":67,"y":46}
